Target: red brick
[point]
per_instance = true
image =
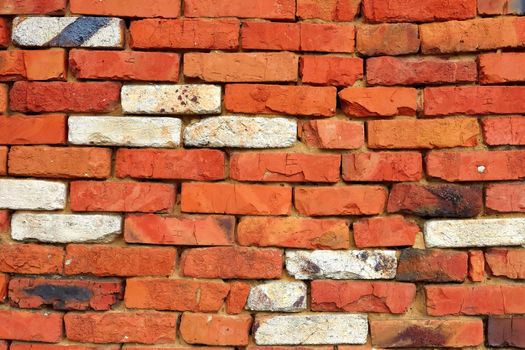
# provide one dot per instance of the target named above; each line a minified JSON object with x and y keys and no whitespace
{"x":506,"y":262}
{"x":281,"y":99}
{"x":31,"y":326}
{"x":4,"y":97}
{"x":506,"y":331}
{"x":332,"y":134}
{"x":3,"y":162}
{"x":199,"y":164}
{"x":271,"y":36}
{"x":294,"y":232}
{"x":4,"y":221}
{"x":492,"y":7}
{"x":177,"y":295}
{"x":427,"y":333}
{"x":505,"y":198}
{"x":126,"y":8}
{"x":33,"y":65}
{"x":225,"y":198}
{"x":270,"y":9}
{"x":504,"y":131}
{"x":472,"y":35}
{"x":331,"y":70}
{"x":88,"y":97}
{"x":389,"y":231}
{"x":236,"y":300}
{"x":436,"y":200}
{"x":31,"y":130}
{"x":121,"y":327}
{"x":26,"y":7}
{"x":242,"y":66}
{"x":432,"y":265}
{"x":103,"y":260}
{"x":476,"y":265}
{"x":412,"y":71}
{"x":378,"y":101}
{"x":474,"y":100}
{"x":328,"y":10}
{"x":129,"y":65}
{"x":232,"y":262}
{"x":477,"y":165}
{"x":5,"y":32}
{"x":215,"y":329}
{"x":423,"y":133}
{"x":38,"y":346}
{"x":179,"y":230}
{"x":501,"y":67}
{"x":64,"y":294}
{"x":475,"y":300}
{"x":121,"y":196}
{"x":382,"y":166}
{"x":185,"y":34}
{"x":418,"y":11}
{"x":31,"y":259}
{"x":387,"y":39}
{"x":62,"y":162}
{"x":4,"y":280}
{"x":341,"y":200}
{"x":285,"y":167}
{"x":317,"y":37}
{"x":384,"y":297}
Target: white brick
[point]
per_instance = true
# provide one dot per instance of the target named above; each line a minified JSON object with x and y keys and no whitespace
{"x":125,"y":131}
{"x":242,"y":132}
{"x":475,"y":233}
{"x":351,"y":264}
{"x":171,"y":99}
{"x":32,"y":194}
{"x":318,"y":329}
{"x":278,"y":296}
{"x":65,"y":228}
{"x":69,"y":32}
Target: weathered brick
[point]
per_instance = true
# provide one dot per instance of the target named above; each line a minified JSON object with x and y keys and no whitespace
{"x":332,"y":134}
{"x":347,"y":200}
{"x":423,"y":133}
{"x":506,"y":262}
{"x":382,"y":166}
{"x":270,"y":9}
{"x":4,"y":281}
{"x":271,"y":36}
{"x":501,"y":67}
{"x":493,"y":7}
{"x":328,"y":10}
{"x":4,"y":97}
{"x":476,"y":265}
{"x":31,"y":259}
{"x":412,"y":71}
{"x":40,"y":346}
{"x":378,"y":101}
{"x":291,"y":232}
{"x":436,"y":200}
{"x":318,"y":37}
{"x":281,"y":99}
{"x":506,"y":331}
{"x":5,"y":32}
{"x":33,"y":130}
{"x":32,"y":194}
{"x":16,"y":7}
{"x":180,"y":230}
{"x":103,"y":260}
{"x":64,"y":294}
{"x":232,"y":262}
{"x":126,"y":8}
{"x":31,"y":326}
{"x":242,"y":67}
{"x":70,"y":162}
{"x":121,"y":327}
{"x":3,"y":160}
{"x":177,"y":295}
{"x":185,"y":34}
{"x":207,"y":329}
{"x":33,"y":65}
{"x":418,"y":11}
{"x":389,"y":231}
{"x":237,"y":298}
{"x":432,"y":265}
{"x":331,"y":70}
{"x":504,"y":131}
{"x":278,"y":296}
{"x":505,"y":198}
{"x":387,"y":39}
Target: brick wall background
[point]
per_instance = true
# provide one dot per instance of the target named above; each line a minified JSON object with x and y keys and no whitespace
{"x":242,"y":173}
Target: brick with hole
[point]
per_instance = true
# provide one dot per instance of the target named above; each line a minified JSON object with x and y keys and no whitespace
{"x":387,"y":39}
{"x":382,"y":166}
{"x":127,"y":8}
{"x":34,"y":259}
{"x":196,"y":328}
{"x":33,"y":65}
{"x":324,"y":37}
{"x":49,"y":129}
{"x":331,"y":70}
{"x":273,"y":36}
{"x":388,"y":231}
{"x":332,"y":134}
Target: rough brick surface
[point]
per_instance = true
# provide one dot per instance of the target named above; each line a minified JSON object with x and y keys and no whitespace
{"x":33,"y":130}
{"x":33,"y":65}
{"x":382,"y":166}
{"x":390,"y":231}
{"x":417,"y":11}
{"x":133,"y":8}
{"x":332,"y":134}
{"x":387,"y":39}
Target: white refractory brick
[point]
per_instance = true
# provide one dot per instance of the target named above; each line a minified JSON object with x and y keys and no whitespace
{"x":278,"y":296}
{"x":65,"y":228}
{"x":241,"y":132}
{"x":474,"y":233}
{"x":32,"y":194}
{"x":351,"y":264}
{"x":171,"y":99}
{"x":96,"y":32}
{"x":320,"y":329}
{"x":125,"y":131}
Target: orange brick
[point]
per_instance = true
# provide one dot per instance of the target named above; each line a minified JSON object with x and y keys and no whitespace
{"x":3,"y":160}
{"x":382,"y":166}
{"x":476,"y":265}
{"x":280,"y":99}
{"x":215,"y":329}
{"x":270,"y":9}
{"x":26,"y":7}
{"x":31,"y":326}
{"x":33,"y":65}
{"x":387,"y":39}
{"x":378,"y":101}
{"x":236,"y":300}
{"x":331,"y":70}
{"x":129,"y":65}
{"x":4,"y":97}
{"x":31,"y":259}
{"x":332,"y":134}
{"x":224,"y":198}
{"x":126,"y":8}
{"x":61,"y":162}
{"x":4,"y":281}
{"x":5,"y":220}
{"x":33,"y":130}
{"x":506,"y":262}
{"x":389,"y":231}
{"x":341,"y":200}
{"x":318,"y":37}
{"x":418,"y":11}
{"x":328,"y":10}
{"x":5,"y":32}
{"x":40,"y":346}
{"x":185,"y":34}
{"x":501,"y":67}
{"x":271,"y":36}
{"x":504,"y":131}
{"x":505,"y":198}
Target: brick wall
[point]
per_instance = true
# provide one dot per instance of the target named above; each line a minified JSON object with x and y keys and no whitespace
{"x":250,"y":173}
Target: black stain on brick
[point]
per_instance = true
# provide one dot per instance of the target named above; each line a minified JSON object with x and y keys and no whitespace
{"x":227,"y":224}
{"x":415,"y":336}
{"x":516,"y":7}
{"x":60,"y":295}
{"x":299,"y":302}
{"x":455,"y":201}
{"x":309,"y":267}
{"x":79,"y":31}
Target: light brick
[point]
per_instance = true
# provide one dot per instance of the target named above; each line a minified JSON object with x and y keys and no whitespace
{"x":126,"y":8}
{"x":278,"y":297}
{"x":32,"y":194}
{"x":33,"y":65}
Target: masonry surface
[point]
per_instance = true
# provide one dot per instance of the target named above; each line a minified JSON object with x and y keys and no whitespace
{"x":262,"y":174}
